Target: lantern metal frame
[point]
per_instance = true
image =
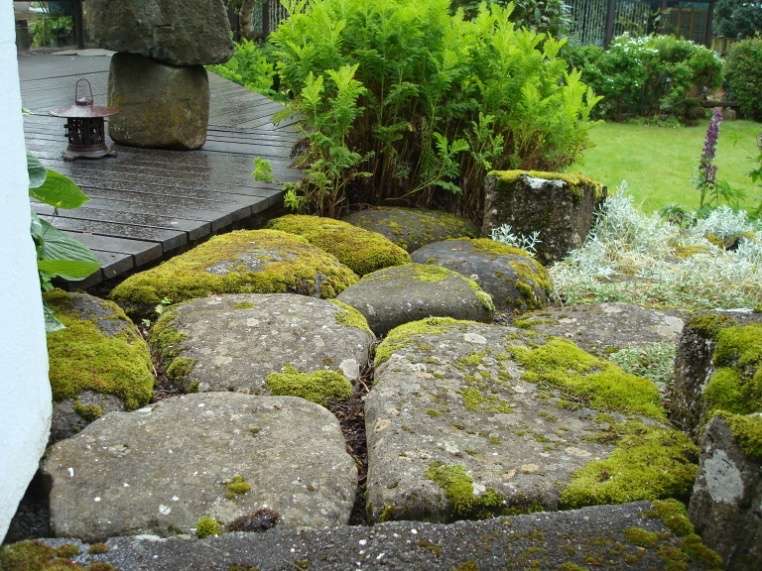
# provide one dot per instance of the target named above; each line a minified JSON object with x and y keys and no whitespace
{"x":85,"y":126}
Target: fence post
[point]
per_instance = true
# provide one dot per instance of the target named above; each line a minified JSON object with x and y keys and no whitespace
{"x":708,"y":29}
{"x":610,"y":13}
{"x":266,"y":19}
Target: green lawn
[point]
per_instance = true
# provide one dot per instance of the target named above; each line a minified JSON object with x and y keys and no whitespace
{"x":660,"y":163}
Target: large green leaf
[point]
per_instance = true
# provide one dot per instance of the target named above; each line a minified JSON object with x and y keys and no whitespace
{"x":61,"y":256}
{"x":37,"y":172}
{"x":59,"y":191}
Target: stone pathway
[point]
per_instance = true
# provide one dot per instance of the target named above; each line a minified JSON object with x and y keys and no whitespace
{"x":464,"y":419}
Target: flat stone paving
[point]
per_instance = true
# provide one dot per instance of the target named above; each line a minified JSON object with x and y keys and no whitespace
{"x":148,"y":204}
{"x":589,"y":538}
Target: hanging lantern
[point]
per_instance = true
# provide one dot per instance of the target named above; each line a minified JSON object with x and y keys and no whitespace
{"x":85,"y":126}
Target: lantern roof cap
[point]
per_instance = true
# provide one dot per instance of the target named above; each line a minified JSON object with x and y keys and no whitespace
{"x":84,"y":106}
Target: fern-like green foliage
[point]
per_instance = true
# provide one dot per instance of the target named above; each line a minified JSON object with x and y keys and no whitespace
{"x":406,"y":100}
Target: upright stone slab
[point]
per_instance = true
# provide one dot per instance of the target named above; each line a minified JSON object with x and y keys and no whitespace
{"x":718,"y":356}
{"x":514,"y":279}
{"x":160,"y":469}
{"x":559,"y":206}
{"x":160,"y":105}
{"x":237,"y":342}
{"x":469,"y":420}
{"x":99,"y":363}
{"x":177,"y":32}
{"x":726,"y":505}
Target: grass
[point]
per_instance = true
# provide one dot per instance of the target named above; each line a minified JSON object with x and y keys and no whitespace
{"x":660,"y":163}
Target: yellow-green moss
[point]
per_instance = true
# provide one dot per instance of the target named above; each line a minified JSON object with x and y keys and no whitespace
{"x":458,"y":488}
{"x":164,"y":338}
{"x":476,"y":399}
{"x":84,"y":358}
{"x":641,"y":537}
{"x":237,"y":486}
{"x":674,"y":516}
{"x":433,"y":274}
{"x":36,"y":556}
{"x":402,"y":336}
{"x":709,"y":324}
{"x":361,"y":250}
{"x":647,"y":463}
{"x":244,"y":305}
{"x":747,"y":431}
{"x":320,"y":387}
{"x":286,"y":263}
{"x":207,"y":526}
{"x":98,"y":549}
{"x":349,"y":316}
{"x":603,"y":384}
{"x":89,"y":412}
{"x":736,"y":384}
{"x":180,"y":369}
{"x":574,"y":180}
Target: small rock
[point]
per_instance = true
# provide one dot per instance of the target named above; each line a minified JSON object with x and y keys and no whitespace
{"x":559,"y":206}
{"x":236,"y":342}
{"x":510,"y":275}
{"x":160,"y":105}
{"x":360,"y":250}
{"x":177,"y":32}
{"x":99,"y":363}
{"x":400,"y":294}
{"x":413,"y":228}
{"x":199,"y":450}
{"x":244,"y":261}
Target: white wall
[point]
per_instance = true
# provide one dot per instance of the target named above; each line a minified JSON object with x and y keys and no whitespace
{"x":25,"y":401}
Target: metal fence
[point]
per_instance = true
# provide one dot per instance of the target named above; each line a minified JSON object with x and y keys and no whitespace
{"x":599,"y":21}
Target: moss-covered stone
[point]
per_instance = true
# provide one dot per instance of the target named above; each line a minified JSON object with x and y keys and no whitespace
{"x":359,"y":249}
{"x":402,"y":336}
{"x":573,"y":180}
{"x":603,"y":384}
{"x":320,"y":387}
{"x":36,"y":556}
{"x":207,"y":526}
{"x":89,"y":412}
{"x":411,"y":228}
{"x":648,"y":463}
{"x":349,"y":316}
{"x":245,"y":261}
{"x":103,"y":353}
{"x":747,"y":431}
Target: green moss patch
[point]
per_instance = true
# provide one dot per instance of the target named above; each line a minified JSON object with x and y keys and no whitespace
{"x":207,"y":526}
{"x":237,"y":486}
{"x":403,"y":336}
{"x":458,"y":487}
{"x":736,"y":384}
{"x":647,"y":463}
{"x":349,"y":316}
{"x":690,"y":551}
{"x":85,"y":358}
{"x":602,"y":384}
{"x":320,"y":387}
{"x":36,"y":556}
{"x":747,"y":431}
{"x":361,"y":250}
{"x":245,"y":261}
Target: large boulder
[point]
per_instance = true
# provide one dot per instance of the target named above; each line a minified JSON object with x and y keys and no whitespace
{"x":99,"y":363}
{"x":412,"y":228}
{"x":636,"y":536}
{"x":244,"y":261}
{"x":281,"y":344}
{"x":557,"y":205}
{"x":400,"y":294}
{"x":177,"y":32}
{"x":360,"y":250}
{"x":160,"y":105}
{"x":642,"y":341}
{"x":217,"y":456}
{"x":467,"y":420}
{"x":718,"y":367}
{"x":513,"y":278}
{"x":726,"y":505}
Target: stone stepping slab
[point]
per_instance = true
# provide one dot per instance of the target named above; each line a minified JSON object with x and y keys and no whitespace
{"x":467,"y":420}
{"x":222,"y":455}
{"x":393,"y":296}
{"x":235,"y":342}
{"x":513,"y":278}
{"x":630,"y":536}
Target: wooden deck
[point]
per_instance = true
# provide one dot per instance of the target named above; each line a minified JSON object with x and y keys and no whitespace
{"x":148,"y":204}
